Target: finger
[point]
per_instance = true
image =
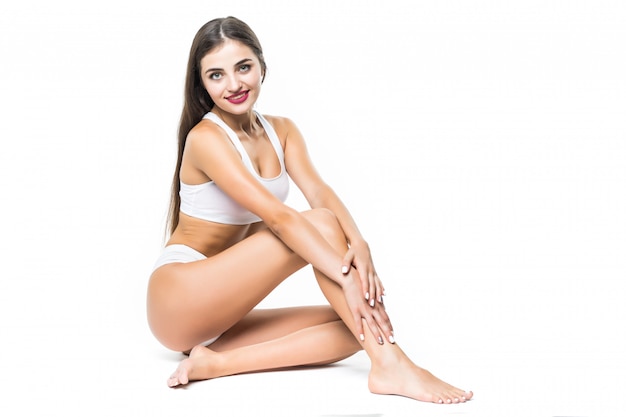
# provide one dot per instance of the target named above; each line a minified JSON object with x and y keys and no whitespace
{"x":373,"y":325}
{"x":384,"y":323}
{"x":347,"y":262}
{"x":358,"y":325}
{"x":364,"y":285}
{"x":372,"y":289}
{"x":380,"y":291}
{"x":385,"y":318}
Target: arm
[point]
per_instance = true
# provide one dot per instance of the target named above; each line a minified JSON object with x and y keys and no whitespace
{"x":209,"y":150}
{"x":319,"y":194}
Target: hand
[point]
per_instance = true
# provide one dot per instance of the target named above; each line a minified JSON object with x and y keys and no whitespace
{"x":374,"y":315}
{"x":359,"y":257}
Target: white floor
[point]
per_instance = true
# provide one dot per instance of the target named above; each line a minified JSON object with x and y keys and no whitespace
{"x":90,"y":353}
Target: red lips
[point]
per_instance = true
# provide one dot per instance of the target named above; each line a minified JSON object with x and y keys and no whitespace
{"x":239,"y":97}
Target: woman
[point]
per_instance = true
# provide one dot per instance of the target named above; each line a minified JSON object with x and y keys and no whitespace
{"x":233,"y":240}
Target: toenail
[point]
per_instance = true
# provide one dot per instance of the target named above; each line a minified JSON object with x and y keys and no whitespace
{"x":448,"y":400}
{"x":440,"y":401}
{"x":456,"y":400}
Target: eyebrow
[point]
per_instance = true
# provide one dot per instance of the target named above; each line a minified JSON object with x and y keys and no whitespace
{"x":220,"y":69}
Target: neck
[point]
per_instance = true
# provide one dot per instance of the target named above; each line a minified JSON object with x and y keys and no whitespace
{"x":246,"y":122}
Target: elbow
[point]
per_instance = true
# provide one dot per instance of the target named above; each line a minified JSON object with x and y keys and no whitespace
{"x":282,"y":220}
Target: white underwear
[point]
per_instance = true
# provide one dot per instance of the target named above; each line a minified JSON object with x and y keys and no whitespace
{"x":178,"y":253}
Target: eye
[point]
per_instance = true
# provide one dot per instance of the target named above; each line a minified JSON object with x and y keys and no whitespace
{"x":215,"y":76}
{"x":244,"y":68}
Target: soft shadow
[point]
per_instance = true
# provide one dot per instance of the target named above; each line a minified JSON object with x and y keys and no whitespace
{"x":351,"y":415}
{"x":171,"y":356}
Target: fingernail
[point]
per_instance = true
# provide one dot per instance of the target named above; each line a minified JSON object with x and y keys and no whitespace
{"x":372,"y":302}
{"x":362,"y":337}
{"x":344,"y":269}
{"x":380,"y":340}
{"x":367,"y":295}
{"x":380,"y":299}
{"x":391,"y":339}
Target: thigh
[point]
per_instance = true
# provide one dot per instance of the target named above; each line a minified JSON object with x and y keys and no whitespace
{"x":189,"y":303}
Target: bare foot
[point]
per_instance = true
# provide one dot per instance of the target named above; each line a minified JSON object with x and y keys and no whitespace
{"x":201,"y":364}
{"x":409,"y":380}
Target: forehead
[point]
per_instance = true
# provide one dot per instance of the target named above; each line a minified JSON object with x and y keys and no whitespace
{"x":227,"y":55}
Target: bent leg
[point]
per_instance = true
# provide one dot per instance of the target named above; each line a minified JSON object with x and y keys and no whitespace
{"x":196,"y":301}
{"x":321,"y":344}
{"x":189,"y":303}
{"x":392,"y":371}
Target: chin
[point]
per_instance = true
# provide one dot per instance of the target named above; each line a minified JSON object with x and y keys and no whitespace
{"x":239,"y":109}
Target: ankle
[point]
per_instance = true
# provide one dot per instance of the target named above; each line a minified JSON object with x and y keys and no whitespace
{"x":220,"y":364}
{"x":387,"y":357}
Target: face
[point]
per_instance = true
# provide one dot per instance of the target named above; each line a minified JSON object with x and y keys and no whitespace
{"x":232,"y":76}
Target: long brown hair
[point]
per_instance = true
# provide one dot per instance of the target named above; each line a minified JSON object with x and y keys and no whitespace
{"x":197,"y":101}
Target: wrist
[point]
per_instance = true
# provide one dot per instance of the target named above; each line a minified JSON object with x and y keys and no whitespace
{"x":349,"y":280}
{"x":358,"y":242}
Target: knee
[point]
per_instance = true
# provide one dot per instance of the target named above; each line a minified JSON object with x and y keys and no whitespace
{"x":326,"y":223}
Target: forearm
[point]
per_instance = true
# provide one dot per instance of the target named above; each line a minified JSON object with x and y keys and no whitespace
{"x":303,"y":238}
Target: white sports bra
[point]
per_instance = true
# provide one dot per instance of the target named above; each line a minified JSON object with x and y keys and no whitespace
{"x":208,"y":202}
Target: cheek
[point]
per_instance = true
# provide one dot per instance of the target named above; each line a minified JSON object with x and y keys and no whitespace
{"x":212,"y":89}
{"x":255,"y":79}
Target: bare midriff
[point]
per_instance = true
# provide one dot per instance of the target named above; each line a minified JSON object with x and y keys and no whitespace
{"x":210,"y":238}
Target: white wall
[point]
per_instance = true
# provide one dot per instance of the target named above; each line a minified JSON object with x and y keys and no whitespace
{"x":481,"y":146}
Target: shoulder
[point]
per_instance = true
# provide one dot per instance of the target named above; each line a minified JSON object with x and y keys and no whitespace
{"x":205,"y":129}
{"x":206,"y":135}
{"x":282,"y":125}
{"x":208,"y":147}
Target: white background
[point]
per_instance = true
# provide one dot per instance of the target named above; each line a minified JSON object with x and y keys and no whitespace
{"x":481,"y":146}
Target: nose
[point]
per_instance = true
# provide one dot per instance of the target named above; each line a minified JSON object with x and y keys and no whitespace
{"x":234,"y":84}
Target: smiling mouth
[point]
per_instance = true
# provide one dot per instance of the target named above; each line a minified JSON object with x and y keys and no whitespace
{"x":238,"y":97}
